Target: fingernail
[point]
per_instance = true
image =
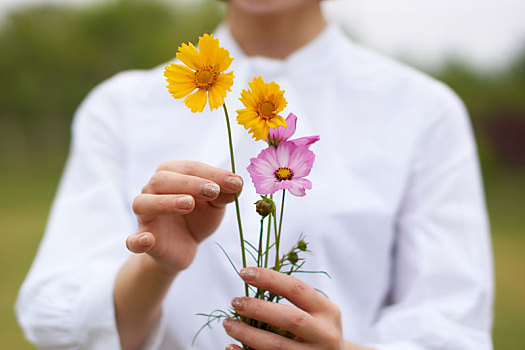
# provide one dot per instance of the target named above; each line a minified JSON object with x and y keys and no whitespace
{"x":185,"y":202}
{"x":248,"y":274}
{"x":210,"y":190}
{"x":227,"y":324}
{"x":230,"y":347}
{"x":143,"y":239}
{"x":234,"y":183}
{"x":238,"y":303}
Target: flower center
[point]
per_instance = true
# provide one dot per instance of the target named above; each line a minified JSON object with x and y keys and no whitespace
{"x":266,"y":109}
{"x":283,"y":174}
{"x":205,"y":78}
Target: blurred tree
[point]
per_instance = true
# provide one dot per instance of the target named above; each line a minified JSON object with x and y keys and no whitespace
{"x":52,"y":55}
{"x":496,"y":102}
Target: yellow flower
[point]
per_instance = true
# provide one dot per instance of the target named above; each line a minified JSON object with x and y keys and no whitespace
{"x":263,"y":102}
{"x":203,"y":70}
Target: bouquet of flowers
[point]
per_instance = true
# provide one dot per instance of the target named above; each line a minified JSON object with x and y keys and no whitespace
{"x":282,"y":166}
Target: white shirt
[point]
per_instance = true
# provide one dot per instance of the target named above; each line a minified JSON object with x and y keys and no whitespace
{"x":396,"y":214}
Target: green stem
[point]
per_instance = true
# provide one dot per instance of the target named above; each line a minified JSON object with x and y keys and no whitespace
{"x":237,"y":209}
{"x":278,"y":238}
{"x":268,"y":241}
{"x":275,"y":239}
{"x":259,"y":252}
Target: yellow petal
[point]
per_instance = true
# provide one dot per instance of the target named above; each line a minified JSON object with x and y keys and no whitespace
{"x":216,"y":97}
{"x":275,"y":94}
{"x":273,"y":88}
{"x":180,"y":90}
{"x":257,"y":86}
{"x":279,"y":102}
{"x":250,"y":130}
{"x":242,"y":111}
{"x":248,"y":99}
{"x":180,"y":80}
{"x":260,"y":131}
{"x":218,"y":90}
{"x":225,"y":81}
{"x":261,"y":124}
{"x":276,"y":122}
{"x":222,"y":60}
{"x":189,"y":55}
{"x":247,"y":118}
{"x":208,"y":48}
{"x":196,"y":101}
{"x":178,"y":71}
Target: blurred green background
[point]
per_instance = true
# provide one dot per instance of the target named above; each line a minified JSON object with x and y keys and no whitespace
{"x":51,"y":56}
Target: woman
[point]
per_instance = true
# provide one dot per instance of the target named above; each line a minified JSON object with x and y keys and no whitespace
{"x":396,"y":214}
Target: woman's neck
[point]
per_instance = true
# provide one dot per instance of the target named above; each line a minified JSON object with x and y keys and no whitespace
{"x":275,"y":35}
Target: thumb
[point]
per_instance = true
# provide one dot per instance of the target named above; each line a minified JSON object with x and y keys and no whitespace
{"x":141,"y":242}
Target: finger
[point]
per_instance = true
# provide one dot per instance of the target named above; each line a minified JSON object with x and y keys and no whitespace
{"x":228,"y":181}
{"x":296,"y":291}
{"x":257,"y":338}
{"x":140,"y":242}
{"x":168,"y":182}
{"x":283,"y":316}
{"x":156,"y":204}
{"x":223,"y":200}
{"x":233,"y":347}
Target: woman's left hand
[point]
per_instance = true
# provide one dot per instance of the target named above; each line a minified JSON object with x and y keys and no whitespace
{"x":315,"y":322}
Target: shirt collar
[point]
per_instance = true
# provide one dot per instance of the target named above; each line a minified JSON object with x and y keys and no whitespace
{"x":323,"y":48}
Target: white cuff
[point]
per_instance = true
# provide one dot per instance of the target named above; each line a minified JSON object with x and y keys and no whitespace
{"x":97,"y":327}
{"x":396,"y":346}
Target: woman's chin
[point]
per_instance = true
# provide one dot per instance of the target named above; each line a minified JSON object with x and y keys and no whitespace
{"x":269,"y":7}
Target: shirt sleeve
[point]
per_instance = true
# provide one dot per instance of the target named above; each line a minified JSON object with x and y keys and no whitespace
{"x":442,"y":288}
{"x":66,"y":301}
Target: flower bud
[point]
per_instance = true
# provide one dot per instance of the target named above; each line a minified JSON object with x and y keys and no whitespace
{"x":302,"y":245}
{"x":293,"y":258}
{"x":264,"y":206}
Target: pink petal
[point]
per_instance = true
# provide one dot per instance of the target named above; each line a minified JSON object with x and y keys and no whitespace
{"x":262,"y":171}
{"x":283,"y":133}
{"x":284,"y":185}
{"x":306,"y":141}
{"x":267,"y":159}
{"x":263,"y":184}
{"x":299,"y":186}
{"x":284,"y":150}
{"x":301,"y":161}
{"x":267,"y":186}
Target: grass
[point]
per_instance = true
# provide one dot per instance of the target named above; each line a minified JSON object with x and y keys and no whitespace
{"x":510,"y":292}
{"x":27,"y":192}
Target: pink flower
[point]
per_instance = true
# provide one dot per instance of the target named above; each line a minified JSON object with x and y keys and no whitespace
{"x":283,"y":133}
{"x":284,"y":167}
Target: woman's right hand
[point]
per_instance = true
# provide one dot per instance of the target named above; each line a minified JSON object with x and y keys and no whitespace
{"x":181,"y":205}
